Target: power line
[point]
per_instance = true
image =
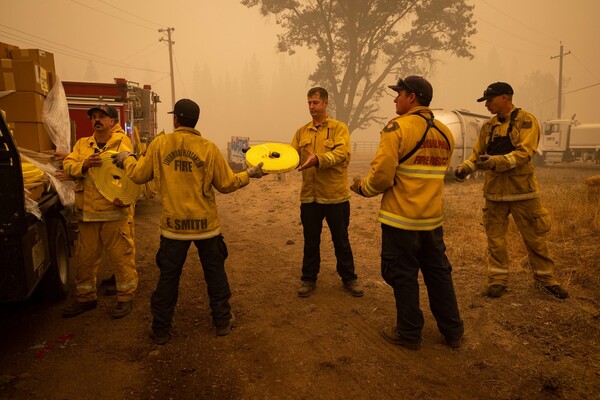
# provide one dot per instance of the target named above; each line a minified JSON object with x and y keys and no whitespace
{"x":583,"y":88}
{"x":519,"y":22}
{"x":569,"y":92}
{"x":510,"y":48}
{"x":512,"y":34}
{"x":129,"y":13}
{"x":113,"y":16}
{"x":585,"y":67}
{"x":59,"y":51}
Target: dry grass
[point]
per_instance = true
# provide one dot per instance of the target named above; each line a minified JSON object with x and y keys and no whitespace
{"x":563,"y":333}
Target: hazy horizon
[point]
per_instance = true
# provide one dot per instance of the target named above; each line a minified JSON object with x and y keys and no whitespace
{"x":226,"y":59}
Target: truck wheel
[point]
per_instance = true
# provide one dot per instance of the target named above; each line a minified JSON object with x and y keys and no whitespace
{"x":57,"y":279}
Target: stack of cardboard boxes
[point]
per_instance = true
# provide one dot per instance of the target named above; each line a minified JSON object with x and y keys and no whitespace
{"x":26,"y":77}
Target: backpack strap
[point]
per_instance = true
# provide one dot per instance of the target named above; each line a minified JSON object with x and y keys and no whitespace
{"x":430,"y":124}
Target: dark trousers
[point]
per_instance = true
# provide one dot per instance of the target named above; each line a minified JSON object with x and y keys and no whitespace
{"x":338,"y":219}
{"x":403,"y":253}
{"x":170,"y":259}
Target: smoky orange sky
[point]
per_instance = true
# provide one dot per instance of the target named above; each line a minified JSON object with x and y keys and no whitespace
{"x":226,"y":59}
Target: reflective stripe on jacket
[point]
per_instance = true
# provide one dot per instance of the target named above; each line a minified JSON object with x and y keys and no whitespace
{"x":90,"y":205}
{"x":326,"y":183}
{"x":188,"y":167}
{"x":412,"y":191}
{"x":513,"y":178}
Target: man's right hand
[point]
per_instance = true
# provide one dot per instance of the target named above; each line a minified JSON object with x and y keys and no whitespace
{"x":119,"y":158}
{"x":256,"y":171}
{"x":460,"y":174}
{"x":92,"y":161}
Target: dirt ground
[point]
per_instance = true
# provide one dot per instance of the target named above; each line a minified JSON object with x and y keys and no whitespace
{"x":525,"y":345}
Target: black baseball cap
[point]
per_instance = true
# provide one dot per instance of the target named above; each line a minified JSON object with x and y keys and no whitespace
{"x":416,"y":84}
{"x":106,"y":109}
{"x":496,"y":89}
{"x":186,"y":108}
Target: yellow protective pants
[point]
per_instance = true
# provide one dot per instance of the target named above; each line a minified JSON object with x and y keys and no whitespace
{"x":114,"y":238}
{"x":533,"y":222}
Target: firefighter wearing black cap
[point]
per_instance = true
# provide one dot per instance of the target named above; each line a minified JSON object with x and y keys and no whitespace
{"x":189,"y":168}
{"x":409,"y":168}
{"x":504,"y":150}
{"x":103,"y":225}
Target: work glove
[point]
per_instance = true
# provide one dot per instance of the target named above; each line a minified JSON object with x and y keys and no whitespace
{"x":460,"y":174}
{"x":486,"y":162}
{"x":119,"y":158}
{"x":355,"y":187}
{"x":256,"y":171}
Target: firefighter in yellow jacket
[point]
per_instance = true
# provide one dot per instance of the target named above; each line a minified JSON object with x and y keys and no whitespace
{"x":103,"y":225}
{"x":324,"y":148}
{"x":189,"y":168}
{"x":409,"y":168}
{"x":504,"y":150}
{"x":110,"y":284}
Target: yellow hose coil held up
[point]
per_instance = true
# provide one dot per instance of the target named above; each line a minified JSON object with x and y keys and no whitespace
{"x":277,"y":158}
{"x":112,"y":182}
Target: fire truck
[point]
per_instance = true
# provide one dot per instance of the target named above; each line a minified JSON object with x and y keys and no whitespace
{"x":137,"y":107}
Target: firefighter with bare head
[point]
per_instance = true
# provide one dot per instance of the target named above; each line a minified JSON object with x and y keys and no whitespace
{"x":504,"y":150}
{"x":323,"y":146}
{"x":104,"y":226}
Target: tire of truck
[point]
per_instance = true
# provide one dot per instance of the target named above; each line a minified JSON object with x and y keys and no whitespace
{"x":57,"y":280}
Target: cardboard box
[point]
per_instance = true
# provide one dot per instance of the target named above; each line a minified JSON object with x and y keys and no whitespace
{"x":23,"y":106}
{"x":43,"y":58}
{"x":5,"y":49}
{"x":23,"y":75}
{"x":32,"y":136}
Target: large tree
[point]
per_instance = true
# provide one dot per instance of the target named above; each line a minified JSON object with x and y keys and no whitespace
{"x":359,"y":43}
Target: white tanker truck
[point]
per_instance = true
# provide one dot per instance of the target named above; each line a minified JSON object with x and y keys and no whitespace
{"x":564,"y":140}
{"x":465,"y":127}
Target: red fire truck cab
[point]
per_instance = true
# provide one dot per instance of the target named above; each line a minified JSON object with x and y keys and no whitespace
{"x":136,"y":106}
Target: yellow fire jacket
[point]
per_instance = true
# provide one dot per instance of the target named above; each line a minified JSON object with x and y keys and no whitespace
{"x":90,"y":205}
{"x":412,"y":190}
{"x":327,"y":182}
{"x":187,"y":166}
{"x":513,"y":177}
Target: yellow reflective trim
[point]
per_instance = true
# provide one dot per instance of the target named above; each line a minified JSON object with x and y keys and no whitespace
{"x":511,"y":159}
{"x":471,"y":165}
{"x":511,"y":197}
{"x":190,"y":236}
{"x":370,"y":190}
{"x":419,"y":171}
{"x":410,"y":224}
{"x":499,"y":270}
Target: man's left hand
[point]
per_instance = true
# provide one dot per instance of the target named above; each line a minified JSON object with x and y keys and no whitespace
{"x":486,"y":162}
{"x":311,"y":161}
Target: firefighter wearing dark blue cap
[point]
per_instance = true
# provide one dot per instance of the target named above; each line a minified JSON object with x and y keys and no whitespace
{"x":408,"y":170}
{"x":103,"y":225}
{"x":504,"y":150}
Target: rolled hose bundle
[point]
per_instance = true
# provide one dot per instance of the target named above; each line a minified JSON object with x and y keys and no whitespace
{"x":277,"y":158}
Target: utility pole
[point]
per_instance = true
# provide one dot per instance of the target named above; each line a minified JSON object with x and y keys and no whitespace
{"x":560,"y":70}
{"x":170,"y":43}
